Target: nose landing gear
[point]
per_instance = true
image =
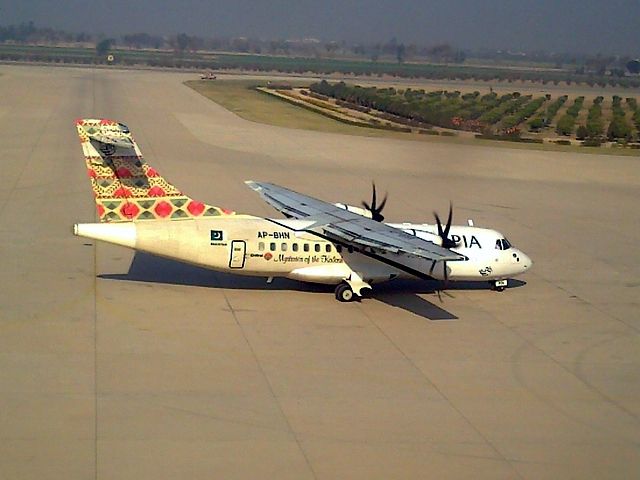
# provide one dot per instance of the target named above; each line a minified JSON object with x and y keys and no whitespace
{"x":498,"y":285}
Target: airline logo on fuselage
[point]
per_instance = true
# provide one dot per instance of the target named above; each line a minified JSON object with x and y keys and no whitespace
{"x":467,"y":242}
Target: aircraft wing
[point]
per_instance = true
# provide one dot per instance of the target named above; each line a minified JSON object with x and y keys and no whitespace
{"x":348,"y":228}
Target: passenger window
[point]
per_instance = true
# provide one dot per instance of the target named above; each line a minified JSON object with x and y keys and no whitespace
{"x":272,"y":246}
{"x":339,"y":248}
{"x":261,"y":246}
{"x":317,"y":247}
{"x":295,"y":247}
{"x":328,"y":248}
{"x":306,"y":247}
{"x":283,"y":247}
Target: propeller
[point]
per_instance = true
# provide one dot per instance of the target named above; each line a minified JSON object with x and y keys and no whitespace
{"x":447,"y":242}
{"x":443,"y":233}
{"x":376,"y":210}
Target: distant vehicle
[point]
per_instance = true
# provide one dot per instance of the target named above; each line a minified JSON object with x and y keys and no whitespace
{"x":350,"y":247}
{"x":208,"y":76}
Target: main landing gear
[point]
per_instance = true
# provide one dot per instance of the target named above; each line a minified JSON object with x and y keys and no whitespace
{"x":498,"y":285}
{"x":352,"y":288}
{"x":344,"y":293}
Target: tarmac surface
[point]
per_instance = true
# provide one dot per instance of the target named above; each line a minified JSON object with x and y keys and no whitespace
{"x":115,"y":365}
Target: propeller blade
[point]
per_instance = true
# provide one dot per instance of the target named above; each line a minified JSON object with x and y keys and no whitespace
{"x":374,"y":208}
{"x":449,"y":220}
{"x":373,"y":199}
{"x":443,"y":233}
{"x":438,"y":224}
{"x":383,"y":203}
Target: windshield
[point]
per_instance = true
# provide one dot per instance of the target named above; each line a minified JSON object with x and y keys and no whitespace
{"x":502,"y":244}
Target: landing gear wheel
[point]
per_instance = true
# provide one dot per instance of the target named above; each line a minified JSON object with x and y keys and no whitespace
{"x":499,"y":285}
{"x":344,"y":293}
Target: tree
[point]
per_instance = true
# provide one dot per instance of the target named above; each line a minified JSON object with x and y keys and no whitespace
{"x":182,"y":41}
{"x":103,"y":46}
{"x":619,"y":128}
{"x":582,"y":132}
{"x":633,"y":66}
{"x":565,"y":125}
{"x":400,"y":53}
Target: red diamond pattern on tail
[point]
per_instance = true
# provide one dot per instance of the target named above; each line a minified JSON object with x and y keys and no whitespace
{"x":163,"y":209}
{"x":123,"y":172}
{"x":156,"y":192}
{"x":130,"y":210}
{"x":195,"y":208}
{"x":122,"y":192}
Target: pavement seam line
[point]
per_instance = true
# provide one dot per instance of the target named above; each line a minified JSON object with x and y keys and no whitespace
{"x":269,"y":385}
{"x":441,"y":393}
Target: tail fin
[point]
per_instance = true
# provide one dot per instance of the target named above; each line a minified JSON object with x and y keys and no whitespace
{"x":125,"y":187}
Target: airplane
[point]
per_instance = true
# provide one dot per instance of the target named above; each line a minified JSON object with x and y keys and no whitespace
{"x":338,"y":244}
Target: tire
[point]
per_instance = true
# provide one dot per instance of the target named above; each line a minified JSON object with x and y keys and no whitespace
{"x":344,"y":293}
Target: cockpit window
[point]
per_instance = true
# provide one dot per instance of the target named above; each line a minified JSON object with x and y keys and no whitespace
{"x":502,"y":244}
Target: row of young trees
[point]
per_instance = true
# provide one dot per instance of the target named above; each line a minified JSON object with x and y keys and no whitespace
{"x":524,"y":113}
{"x":595,"y":124}
{"x":487,"y":113}
{"x":632,"y":103}
{"x":619,"y":127}
{"x":470,"y":111}
{"x":509,"y":104}
{"x":566,"y":124}
{"x":544,"y":118}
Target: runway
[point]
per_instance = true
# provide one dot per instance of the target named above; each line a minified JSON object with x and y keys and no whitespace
{"x":115,"y":365}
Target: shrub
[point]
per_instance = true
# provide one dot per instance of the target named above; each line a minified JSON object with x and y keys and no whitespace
{"x":582,"y":132}
{"x":536,"y":124}
{"x":565,"y":125}
{"x":592,"y":142}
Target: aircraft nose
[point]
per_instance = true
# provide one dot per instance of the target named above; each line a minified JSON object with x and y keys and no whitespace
{"x":525,"y":261}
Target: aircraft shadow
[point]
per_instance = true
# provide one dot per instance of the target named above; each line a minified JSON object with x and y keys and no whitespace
{"x":400,"y":293}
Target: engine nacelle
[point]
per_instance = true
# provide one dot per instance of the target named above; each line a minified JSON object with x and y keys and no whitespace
{"x":358,"y":210}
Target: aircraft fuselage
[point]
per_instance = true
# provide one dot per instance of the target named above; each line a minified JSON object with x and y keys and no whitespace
{"x":248,"y":245}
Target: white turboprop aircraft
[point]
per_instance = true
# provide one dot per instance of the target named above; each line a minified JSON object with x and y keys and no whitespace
{"x":338,"y":244}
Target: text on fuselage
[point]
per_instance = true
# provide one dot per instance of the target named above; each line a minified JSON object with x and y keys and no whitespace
{"x":275,"y":235}
{"x":463,"y":240}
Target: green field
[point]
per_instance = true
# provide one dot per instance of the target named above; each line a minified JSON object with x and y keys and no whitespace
{"x":241,"y":98}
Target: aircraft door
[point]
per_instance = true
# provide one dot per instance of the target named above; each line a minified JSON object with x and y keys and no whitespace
{"x":238,"y":249}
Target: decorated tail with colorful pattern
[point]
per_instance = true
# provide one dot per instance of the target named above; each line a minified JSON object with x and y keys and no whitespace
{"x":126,"y":188}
